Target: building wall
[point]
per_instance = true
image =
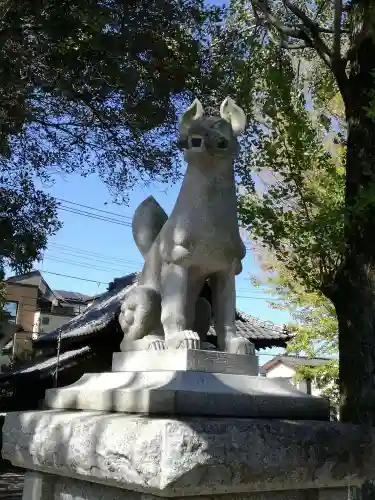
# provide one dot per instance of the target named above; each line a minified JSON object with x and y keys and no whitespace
{"x":281,"y":370}
{"x":286,"y":371}
{"x":45,"y":322}
{"x":26,"y":298}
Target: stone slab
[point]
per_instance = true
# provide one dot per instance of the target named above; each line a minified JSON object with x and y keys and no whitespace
{"x":185,"y":360}
{"x":188,"y":393}
{"x":39,"y":486}
{"x":191,"y":456}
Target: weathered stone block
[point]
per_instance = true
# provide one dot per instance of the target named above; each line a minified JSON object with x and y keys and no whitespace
{"x":189,"y":393}
{"x":40,"y":486}
{"x":201,"y":457}
{"x":185,"y":360}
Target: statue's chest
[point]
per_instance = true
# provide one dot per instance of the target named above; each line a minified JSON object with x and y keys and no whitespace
{"x":204,"y":222}
{"x":209,"y":240}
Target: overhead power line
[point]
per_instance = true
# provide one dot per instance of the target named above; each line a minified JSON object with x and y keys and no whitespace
{"x":62,"y":253}
{"x":86,"y":265}
{"x":97,"y":256}
{"x":89,"y":266}
{"x":73,"y":277}
{"x":95,"y":216}
{"x":100,"y":257}
{"x":269,"y":299}
{"x":94,"y":255}
{"x":93,"y":208}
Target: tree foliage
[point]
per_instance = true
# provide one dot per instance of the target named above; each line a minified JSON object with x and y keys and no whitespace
{"x":90,"y":87}
{"x":331,"y":236}
{"x":314,"y":322}
{"x":27,"y":217}
{"x":93,"y":86}
{"x":295,"y":202}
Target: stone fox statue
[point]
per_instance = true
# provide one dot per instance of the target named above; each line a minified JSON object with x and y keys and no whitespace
{"x":199,"y":241}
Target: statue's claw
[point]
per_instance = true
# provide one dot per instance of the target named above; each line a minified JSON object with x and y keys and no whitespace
{"x":187,"y":339}
{"x":148,"y":343}
{"x":239,"y":345}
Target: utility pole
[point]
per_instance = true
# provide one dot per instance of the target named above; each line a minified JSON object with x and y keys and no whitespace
{"x":58,"y":358}
{"x":13,"y":350}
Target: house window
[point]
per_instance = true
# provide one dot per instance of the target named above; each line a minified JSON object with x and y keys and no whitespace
{"x":45,"y":320}
{"x":10,"y":312}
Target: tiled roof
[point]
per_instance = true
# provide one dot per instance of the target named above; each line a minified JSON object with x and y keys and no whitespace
{"x":46,"y":365}
{"x":95,"y":318}
{"x":251,"y":327}
{"x":105,"y":308}
{"x":51,"y":362}
{"x":74,"y":296}
{"x":296,"y":361}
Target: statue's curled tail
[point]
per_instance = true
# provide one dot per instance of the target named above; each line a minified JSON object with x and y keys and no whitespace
{"x":147,"y":222}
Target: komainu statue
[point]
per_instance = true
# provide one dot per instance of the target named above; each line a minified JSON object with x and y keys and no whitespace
{"x":199,"y":242}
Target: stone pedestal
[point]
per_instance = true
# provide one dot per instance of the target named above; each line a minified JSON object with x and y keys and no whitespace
{"x":188,"y":382}
{"x":95,"y":455}
{"x":187,"y":439}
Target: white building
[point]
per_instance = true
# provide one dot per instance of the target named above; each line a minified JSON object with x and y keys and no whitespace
{"x":287,"y":366}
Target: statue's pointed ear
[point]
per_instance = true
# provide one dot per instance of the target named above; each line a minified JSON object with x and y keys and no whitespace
{"x":234,"y":115}
{"x":193,"y":112}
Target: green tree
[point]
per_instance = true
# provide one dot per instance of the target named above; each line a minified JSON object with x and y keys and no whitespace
{"x":341,"y":35}
{"x":90,"y":87}
{"x":94,"y":86}
{"x":314,"y":322}
{"x":27,"y":217}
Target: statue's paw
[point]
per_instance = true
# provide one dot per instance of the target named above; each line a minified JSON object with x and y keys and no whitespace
{"x":187,"y":339}
{"x":156,"y":345}
{"x":239,"y":345}
{"x":147,"y":343}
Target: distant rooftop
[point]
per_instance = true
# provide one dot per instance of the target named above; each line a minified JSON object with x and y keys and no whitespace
{"x":35,"y":278}
{"x":73,"y":296}
{"x":293,"y":361}
{"x":101,"y":316}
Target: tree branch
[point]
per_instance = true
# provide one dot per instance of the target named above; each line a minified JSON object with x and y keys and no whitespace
{"x":351,"y":52}
{"x":308,"y":31}
{"x":327,"y":29}
{"x":313,"y":28}
{"x":294,"y":46}
{"x":293,"y":32}
{"x":337,"y":30}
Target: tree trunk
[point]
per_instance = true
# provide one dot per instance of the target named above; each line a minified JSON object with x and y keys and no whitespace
{"x":354,"y":298}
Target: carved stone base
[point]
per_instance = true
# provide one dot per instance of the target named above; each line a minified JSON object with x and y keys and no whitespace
{"x":95,"y":455}
{"x":184,"y":382}
{"x":185,"y":360}
{"x":39,"y":486}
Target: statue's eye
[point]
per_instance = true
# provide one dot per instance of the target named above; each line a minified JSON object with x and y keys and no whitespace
{"x":183,"y":144}
{"x":222,"y":143}
{"x":196,"y":142}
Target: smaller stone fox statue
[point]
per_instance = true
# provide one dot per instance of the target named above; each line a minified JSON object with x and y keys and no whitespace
{"x":199,"y":241}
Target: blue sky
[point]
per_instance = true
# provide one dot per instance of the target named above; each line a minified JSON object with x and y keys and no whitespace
{"x":96,"y":251}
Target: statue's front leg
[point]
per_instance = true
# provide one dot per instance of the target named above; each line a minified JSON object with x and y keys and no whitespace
{"x":175,"y":316}
{"x":224,"y":309}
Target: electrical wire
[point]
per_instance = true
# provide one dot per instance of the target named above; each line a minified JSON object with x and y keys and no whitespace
{"x":73,"y":277}
{"x":122,"y":223}
{"x":84,"y":265}
{"x":91,"y":254}
{"x":95,"y":216}
{"x":93,"y":208}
